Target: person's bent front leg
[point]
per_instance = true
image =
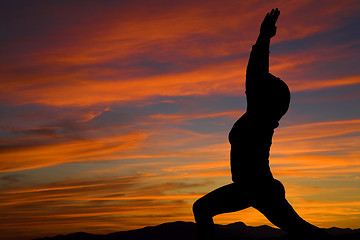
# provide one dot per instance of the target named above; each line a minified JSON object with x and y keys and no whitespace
{"x":229,"y":198}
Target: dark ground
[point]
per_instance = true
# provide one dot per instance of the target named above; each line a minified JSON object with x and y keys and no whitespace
{"x":187,"y":231}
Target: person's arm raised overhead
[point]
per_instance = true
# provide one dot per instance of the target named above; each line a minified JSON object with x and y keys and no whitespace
{"x":258,"y":65}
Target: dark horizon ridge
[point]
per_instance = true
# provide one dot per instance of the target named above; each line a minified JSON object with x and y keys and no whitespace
{"x":186,"y":230}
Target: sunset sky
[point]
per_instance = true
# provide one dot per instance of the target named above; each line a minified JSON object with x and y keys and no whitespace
{"x":114,"y":115}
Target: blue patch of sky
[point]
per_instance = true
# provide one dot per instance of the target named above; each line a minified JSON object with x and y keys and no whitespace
{"x":208,"y":104}
{"x":193,"y":105}
{"x":179,"y":104}
{"x":333,"y":104}
{"x":132,"y":113}
{"x":346,"y":32}
{"x":345,"y":37}
{"x":154,"y":61}
{"x":25,"y":116}
{"x":207,"y":125}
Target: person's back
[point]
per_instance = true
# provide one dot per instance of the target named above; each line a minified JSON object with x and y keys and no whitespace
{"x":250,"y":146}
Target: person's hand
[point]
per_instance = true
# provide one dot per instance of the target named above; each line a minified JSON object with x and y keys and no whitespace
{"x":268,"y":28}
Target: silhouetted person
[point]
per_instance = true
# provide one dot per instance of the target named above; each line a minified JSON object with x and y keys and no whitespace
{"x":268,"y":99}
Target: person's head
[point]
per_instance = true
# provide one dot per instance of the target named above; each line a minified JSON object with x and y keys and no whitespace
{"x":279,"y":96}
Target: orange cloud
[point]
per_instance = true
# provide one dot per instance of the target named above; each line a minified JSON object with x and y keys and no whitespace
{"x":103,"y":203}
{"x":317,"y":130}
{"x":19,"y":158}
{"x":169,"y":35}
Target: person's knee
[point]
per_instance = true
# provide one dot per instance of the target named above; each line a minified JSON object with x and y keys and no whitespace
{"x":199,"y":208}
{"x":279,"y":188}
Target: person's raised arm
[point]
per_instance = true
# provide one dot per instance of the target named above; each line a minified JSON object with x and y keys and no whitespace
{"x":258,"y":66}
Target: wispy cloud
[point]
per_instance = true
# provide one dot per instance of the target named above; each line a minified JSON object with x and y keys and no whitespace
{"x":19,"y":157}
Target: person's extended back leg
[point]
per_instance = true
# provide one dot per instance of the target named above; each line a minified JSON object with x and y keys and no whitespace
{"x":278,"y":211}
{"x":229,"y":198}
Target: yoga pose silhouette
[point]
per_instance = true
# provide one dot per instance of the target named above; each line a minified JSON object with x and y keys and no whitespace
{"x":268,"y":99}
